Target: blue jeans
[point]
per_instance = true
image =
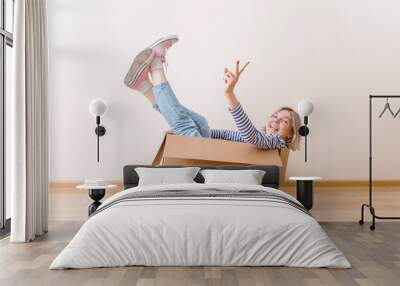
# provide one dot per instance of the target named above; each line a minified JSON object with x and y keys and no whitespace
{"x":181,"y":120}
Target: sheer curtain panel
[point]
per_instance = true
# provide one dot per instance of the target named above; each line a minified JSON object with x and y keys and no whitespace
{"x":29,"y":123}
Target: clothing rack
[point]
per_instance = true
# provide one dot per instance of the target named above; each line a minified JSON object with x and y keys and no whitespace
{"x":370,"y":201}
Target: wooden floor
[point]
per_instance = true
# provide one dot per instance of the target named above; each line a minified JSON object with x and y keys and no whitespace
{"x":331,"y":204}
{"x":375,"y":257}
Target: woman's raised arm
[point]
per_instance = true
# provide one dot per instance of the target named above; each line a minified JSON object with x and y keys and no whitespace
{"x":230,"y":81}
{"x":247,"y":131}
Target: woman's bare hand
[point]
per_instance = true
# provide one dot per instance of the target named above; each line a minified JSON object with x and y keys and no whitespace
{"x":231,"y":78}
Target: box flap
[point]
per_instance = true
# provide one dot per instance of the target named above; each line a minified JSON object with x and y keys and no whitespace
{"x":158,"y":158}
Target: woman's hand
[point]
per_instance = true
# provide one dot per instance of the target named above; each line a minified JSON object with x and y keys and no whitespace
{"x":231,"y":78}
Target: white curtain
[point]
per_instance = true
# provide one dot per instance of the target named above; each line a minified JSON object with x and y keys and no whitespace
{"x":28,"y":122}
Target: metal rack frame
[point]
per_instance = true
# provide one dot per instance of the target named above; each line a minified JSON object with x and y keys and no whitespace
{"x":370,"y":205}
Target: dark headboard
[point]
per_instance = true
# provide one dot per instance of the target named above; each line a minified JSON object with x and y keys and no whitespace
{"x":270,"y":179}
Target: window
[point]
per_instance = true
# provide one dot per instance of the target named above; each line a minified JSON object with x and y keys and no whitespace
{"x":6,"y":44}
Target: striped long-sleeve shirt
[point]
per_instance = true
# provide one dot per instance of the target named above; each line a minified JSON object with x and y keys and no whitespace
{"x":248,"y":133}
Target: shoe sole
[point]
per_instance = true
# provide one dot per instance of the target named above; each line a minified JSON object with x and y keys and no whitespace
{"x":140,"y":63}
{"x":164,"y":39}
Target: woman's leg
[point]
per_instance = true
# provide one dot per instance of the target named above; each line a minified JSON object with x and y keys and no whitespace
{"x":150,"y":96}
{"x":137,"y":77}
{"x":176,"y":116}
{"x":157,"y":72}
{"x":181,"y":120}
{"x":158,"y":77}
{"x":200,"y":121}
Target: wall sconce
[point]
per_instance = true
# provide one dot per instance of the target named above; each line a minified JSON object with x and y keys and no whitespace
{"x":97,"y":108}
{"x":305,"y":108}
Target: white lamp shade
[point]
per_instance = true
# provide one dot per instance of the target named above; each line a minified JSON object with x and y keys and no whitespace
{"x":305,"y":107}
{"x":97,"y":107}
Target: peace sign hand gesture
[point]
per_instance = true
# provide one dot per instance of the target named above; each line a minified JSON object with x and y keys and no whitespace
{"x":231,"y":78}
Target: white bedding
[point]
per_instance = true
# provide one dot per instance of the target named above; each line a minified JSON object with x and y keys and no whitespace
{"x":200,"y":231}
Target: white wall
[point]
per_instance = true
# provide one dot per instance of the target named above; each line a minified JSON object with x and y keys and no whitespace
{"x":335,"y":53}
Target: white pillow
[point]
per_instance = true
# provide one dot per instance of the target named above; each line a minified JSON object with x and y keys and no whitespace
{"x":163,"y":176}
{"x":249,"y":177}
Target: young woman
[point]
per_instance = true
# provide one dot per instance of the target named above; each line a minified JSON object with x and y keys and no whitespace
{"x":280,"y":130}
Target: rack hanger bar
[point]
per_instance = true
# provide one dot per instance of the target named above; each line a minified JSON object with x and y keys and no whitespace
{"x":384,"y":96}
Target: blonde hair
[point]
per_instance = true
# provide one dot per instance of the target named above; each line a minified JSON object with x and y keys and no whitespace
{"x":294,"y":141}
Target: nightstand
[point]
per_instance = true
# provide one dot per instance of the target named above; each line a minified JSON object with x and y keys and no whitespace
{"x":304,"y":190}
{"x":96,"y":193}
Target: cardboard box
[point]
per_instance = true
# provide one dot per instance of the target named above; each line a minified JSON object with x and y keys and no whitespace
{"x":189,"y":151}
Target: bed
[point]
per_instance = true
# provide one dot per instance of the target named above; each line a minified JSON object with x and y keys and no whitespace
{"x":198,"y":224}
